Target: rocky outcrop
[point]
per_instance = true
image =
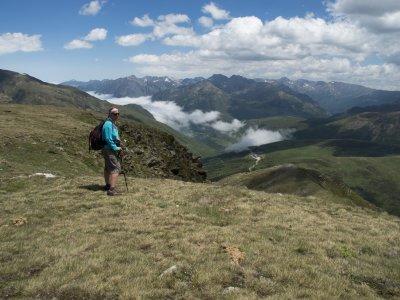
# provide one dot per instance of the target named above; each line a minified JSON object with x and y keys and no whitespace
{"x":153,"y":153}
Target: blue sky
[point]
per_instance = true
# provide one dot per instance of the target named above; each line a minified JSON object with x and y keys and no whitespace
{"x":289,"y":38}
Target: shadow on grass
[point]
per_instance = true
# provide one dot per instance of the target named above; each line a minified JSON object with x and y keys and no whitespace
{"x":340,"y":147}
{"x":93,"y":187}
{"x":347,"y":147}
{"x":264,"y":149}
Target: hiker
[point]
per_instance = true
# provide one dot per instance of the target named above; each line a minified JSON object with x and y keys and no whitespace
{"x":111,"y":151}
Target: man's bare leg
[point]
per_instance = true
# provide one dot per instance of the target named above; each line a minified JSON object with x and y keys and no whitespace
{"x":113,"y":180}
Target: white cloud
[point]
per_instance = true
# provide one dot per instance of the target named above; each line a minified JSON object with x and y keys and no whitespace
{"x":206,"y":22}
{"x":163,"y":29}
{"x":145,"y":21}
{"x":315,"y":36}
{"x":168,"y":25}
{"x":200,"y":117}
{"x":78,"y":44}
{"x":365,"y":7}
{"x":255,"y":137}
{"x":216,"y":12}
{"x":165,"y":25}
{"x":378,"y":16}
{"x":144,"y":59}
{"x":131,"y":39}
{"x":97,"y":34}
{"x":298,"y":47}
{"x":170,"y":113}
{"x":204,"y":63}
{"x":14,"y":42}
{"x":247,"y":38}
{"x":341,"y":47}
{"x":227,"y":127}
{"x":174,"y":18}
{"x":92,"y":8}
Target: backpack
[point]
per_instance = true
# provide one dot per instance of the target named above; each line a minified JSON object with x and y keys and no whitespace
{"x":96,"y":141}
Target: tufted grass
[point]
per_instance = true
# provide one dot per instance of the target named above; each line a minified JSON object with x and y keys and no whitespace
{"x":75,"y":242}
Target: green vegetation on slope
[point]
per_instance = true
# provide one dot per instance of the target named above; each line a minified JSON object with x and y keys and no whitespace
{"x":369,"y":169}
{"x":278,"y":123}
{"x":290,"y":179}
{"x":59,"y":238}
{"x":374,"y":126}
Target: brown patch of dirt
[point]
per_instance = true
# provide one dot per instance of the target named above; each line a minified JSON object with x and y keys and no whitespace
{"x":235,"y":254}
{"x":19,"y":221}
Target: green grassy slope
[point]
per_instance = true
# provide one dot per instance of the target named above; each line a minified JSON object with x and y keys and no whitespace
{"x":48,"y":139}
{"x":371,"y":170}
{"x":375,"y":126}
{"x":280,"y":122}
{"x":290,"y":179}
{"x":59,"y":238}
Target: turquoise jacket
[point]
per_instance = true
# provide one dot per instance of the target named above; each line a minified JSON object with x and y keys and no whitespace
{"x":110,"y":135}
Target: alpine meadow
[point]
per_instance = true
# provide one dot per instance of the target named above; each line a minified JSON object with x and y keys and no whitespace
{"x":200,"y":149}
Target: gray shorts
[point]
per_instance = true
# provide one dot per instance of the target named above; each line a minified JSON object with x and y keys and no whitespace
{"x":111,"y":162}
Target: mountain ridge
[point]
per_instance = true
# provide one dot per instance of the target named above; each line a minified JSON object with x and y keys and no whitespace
{"x":333,"y":96}
{"x":241,"y":98}
{"x":336,"y":96}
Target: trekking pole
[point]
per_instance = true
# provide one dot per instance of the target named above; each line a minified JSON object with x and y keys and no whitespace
{"x":126,"y":183}
{"x":124,"y":173}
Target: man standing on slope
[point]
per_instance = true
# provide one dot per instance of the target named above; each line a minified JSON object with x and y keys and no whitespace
{"x":111,"y":150}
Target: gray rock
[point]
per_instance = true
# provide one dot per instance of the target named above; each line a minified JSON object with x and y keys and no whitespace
{"x":230,"y":290}
{"x":169,"y":271}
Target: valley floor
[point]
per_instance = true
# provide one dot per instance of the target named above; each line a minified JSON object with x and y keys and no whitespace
{"x":65,"y":238}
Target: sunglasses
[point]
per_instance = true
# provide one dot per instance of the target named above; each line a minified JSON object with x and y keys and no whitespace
{"x":117,"y":114}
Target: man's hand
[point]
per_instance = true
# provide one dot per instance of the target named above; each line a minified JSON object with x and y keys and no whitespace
{"x":121,"y":153}
{"x":122,"y":144}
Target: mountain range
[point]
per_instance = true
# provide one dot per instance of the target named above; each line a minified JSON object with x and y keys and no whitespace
{"x":130,"y":86}
{"x":235,"y":96}
{"x":241,"y":98}
{"x":337,"y":97}
{"x":333,"y":97}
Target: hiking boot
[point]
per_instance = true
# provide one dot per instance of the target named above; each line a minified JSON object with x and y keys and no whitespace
{"x":113,"y":192}
{"x":106,"y":187}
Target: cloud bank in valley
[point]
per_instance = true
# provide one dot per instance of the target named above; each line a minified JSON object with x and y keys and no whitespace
{"x":170,"y":113}
{"x":255,"y":137}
